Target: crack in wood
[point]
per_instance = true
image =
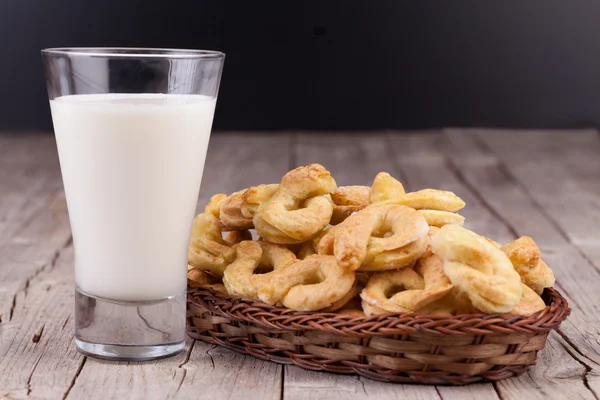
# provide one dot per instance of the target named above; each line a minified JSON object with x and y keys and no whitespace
{"x":577,"y":356}
{"x":282,"y":386}
{"x":72,"y":384}
{"x":46,"y":267}
{"x":12,"y":307}
{"x":437,"y":390}
{"x":65,"y":323}
{"x":31,"y":374}
{"x":38,"y":334}
{"x":185,"y":361}
{"x":497,"y":390}
{"x":575,"y":349}
{"x":212,"y":360}
{"x":362,"y":384}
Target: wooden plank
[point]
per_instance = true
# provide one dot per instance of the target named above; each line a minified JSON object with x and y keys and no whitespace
{"x":32,"y":249}
{"x":571,"y":167}
{"x":224,"y":374}
{"x":556,"y":376}
{"x":122,"y":380}
{"x":29,"y":172}
{"x":32,"y":225}
{"x":37,"y":356}
{"x":507,"y":196}
{"x":479,"y":391}
{"x":301,"y":384}
{"x":355,"y":160}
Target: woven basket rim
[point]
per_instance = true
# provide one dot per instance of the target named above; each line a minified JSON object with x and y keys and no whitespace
{"x":286,"y":320}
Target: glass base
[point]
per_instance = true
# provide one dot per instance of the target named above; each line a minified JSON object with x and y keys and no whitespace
{"x":129,"y":331}
{"x":128,"y":353}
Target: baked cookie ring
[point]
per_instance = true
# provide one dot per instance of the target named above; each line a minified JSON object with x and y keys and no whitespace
{"x":479,"y":269}
{"x":300,"y":208}
{"x":207,"y":250}
{"x":429,"y":199}
{"x":394,"y":259}
{"x":315,"y":283}
{"x":530,"y":303}
{"x":250,"y":257}
{"x":525,"y":257}
{"x":384,"y":229}
{"x":407,"y":290}
{"x":230,"y":212}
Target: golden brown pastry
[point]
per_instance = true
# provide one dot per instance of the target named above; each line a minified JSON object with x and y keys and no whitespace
{"x":525,"y":257}
{"x":440,"y":218}
{"x":231,"y":212}
{"x":300,"y":208}
{"x":530,"y":303}
{"x":198,"y":277}
{"x":214,"y":205}
{"x":254,"y":196}
{"x":250,"y":257}
{"x":385,"y":187}
{"x":207,"y":250}
{"x":315,"y":283}
{"x":407,"y":290}
{"x":347,"y":200}
{"x":382,"y":237}
{"x":479,"y":269}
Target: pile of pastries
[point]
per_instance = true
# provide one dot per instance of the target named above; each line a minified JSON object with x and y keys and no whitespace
{"x":360,"y":250}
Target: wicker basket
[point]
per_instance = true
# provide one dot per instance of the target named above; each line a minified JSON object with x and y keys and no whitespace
{"x":405,"y":348}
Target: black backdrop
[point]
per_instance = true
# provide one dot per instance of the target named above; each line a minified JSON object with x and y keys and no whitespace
{"x":352,"y":64}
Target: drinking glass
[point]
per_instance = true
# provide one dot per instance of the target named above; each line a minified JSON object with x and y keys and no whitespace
{"x":132,"y":127}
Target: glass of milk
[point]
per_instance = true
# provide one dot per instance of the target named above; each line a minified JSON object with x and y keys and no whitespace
{"x":132,"y":128}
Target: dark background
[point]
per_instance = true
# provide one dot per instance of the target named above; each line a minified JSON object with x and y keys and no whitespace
{"x":336,"y":64}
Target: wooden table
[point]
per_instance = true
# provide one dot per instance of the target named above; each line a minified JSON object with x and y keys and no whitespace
{"x":540,"y":183}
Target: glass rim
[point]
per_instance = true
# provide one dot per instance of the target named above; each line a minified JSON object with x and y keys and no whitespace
{"x":133,"y":52}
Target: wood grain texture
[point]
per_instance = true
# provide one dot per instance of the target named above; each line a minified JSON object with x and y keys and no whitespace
{"x":538,"y":183}
{"x":37,"y":356}
{"x":33,"y":221}
{"x":301,"y":384}
{"x":510,"y":195}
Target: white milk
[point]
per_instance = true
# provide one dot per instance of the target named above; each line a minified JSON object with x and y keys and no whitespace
{"x":132,"y":166}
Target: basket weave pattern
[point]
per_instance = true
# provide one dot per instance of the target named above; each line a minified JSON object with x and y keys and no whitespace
{"x":405,"y":348}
